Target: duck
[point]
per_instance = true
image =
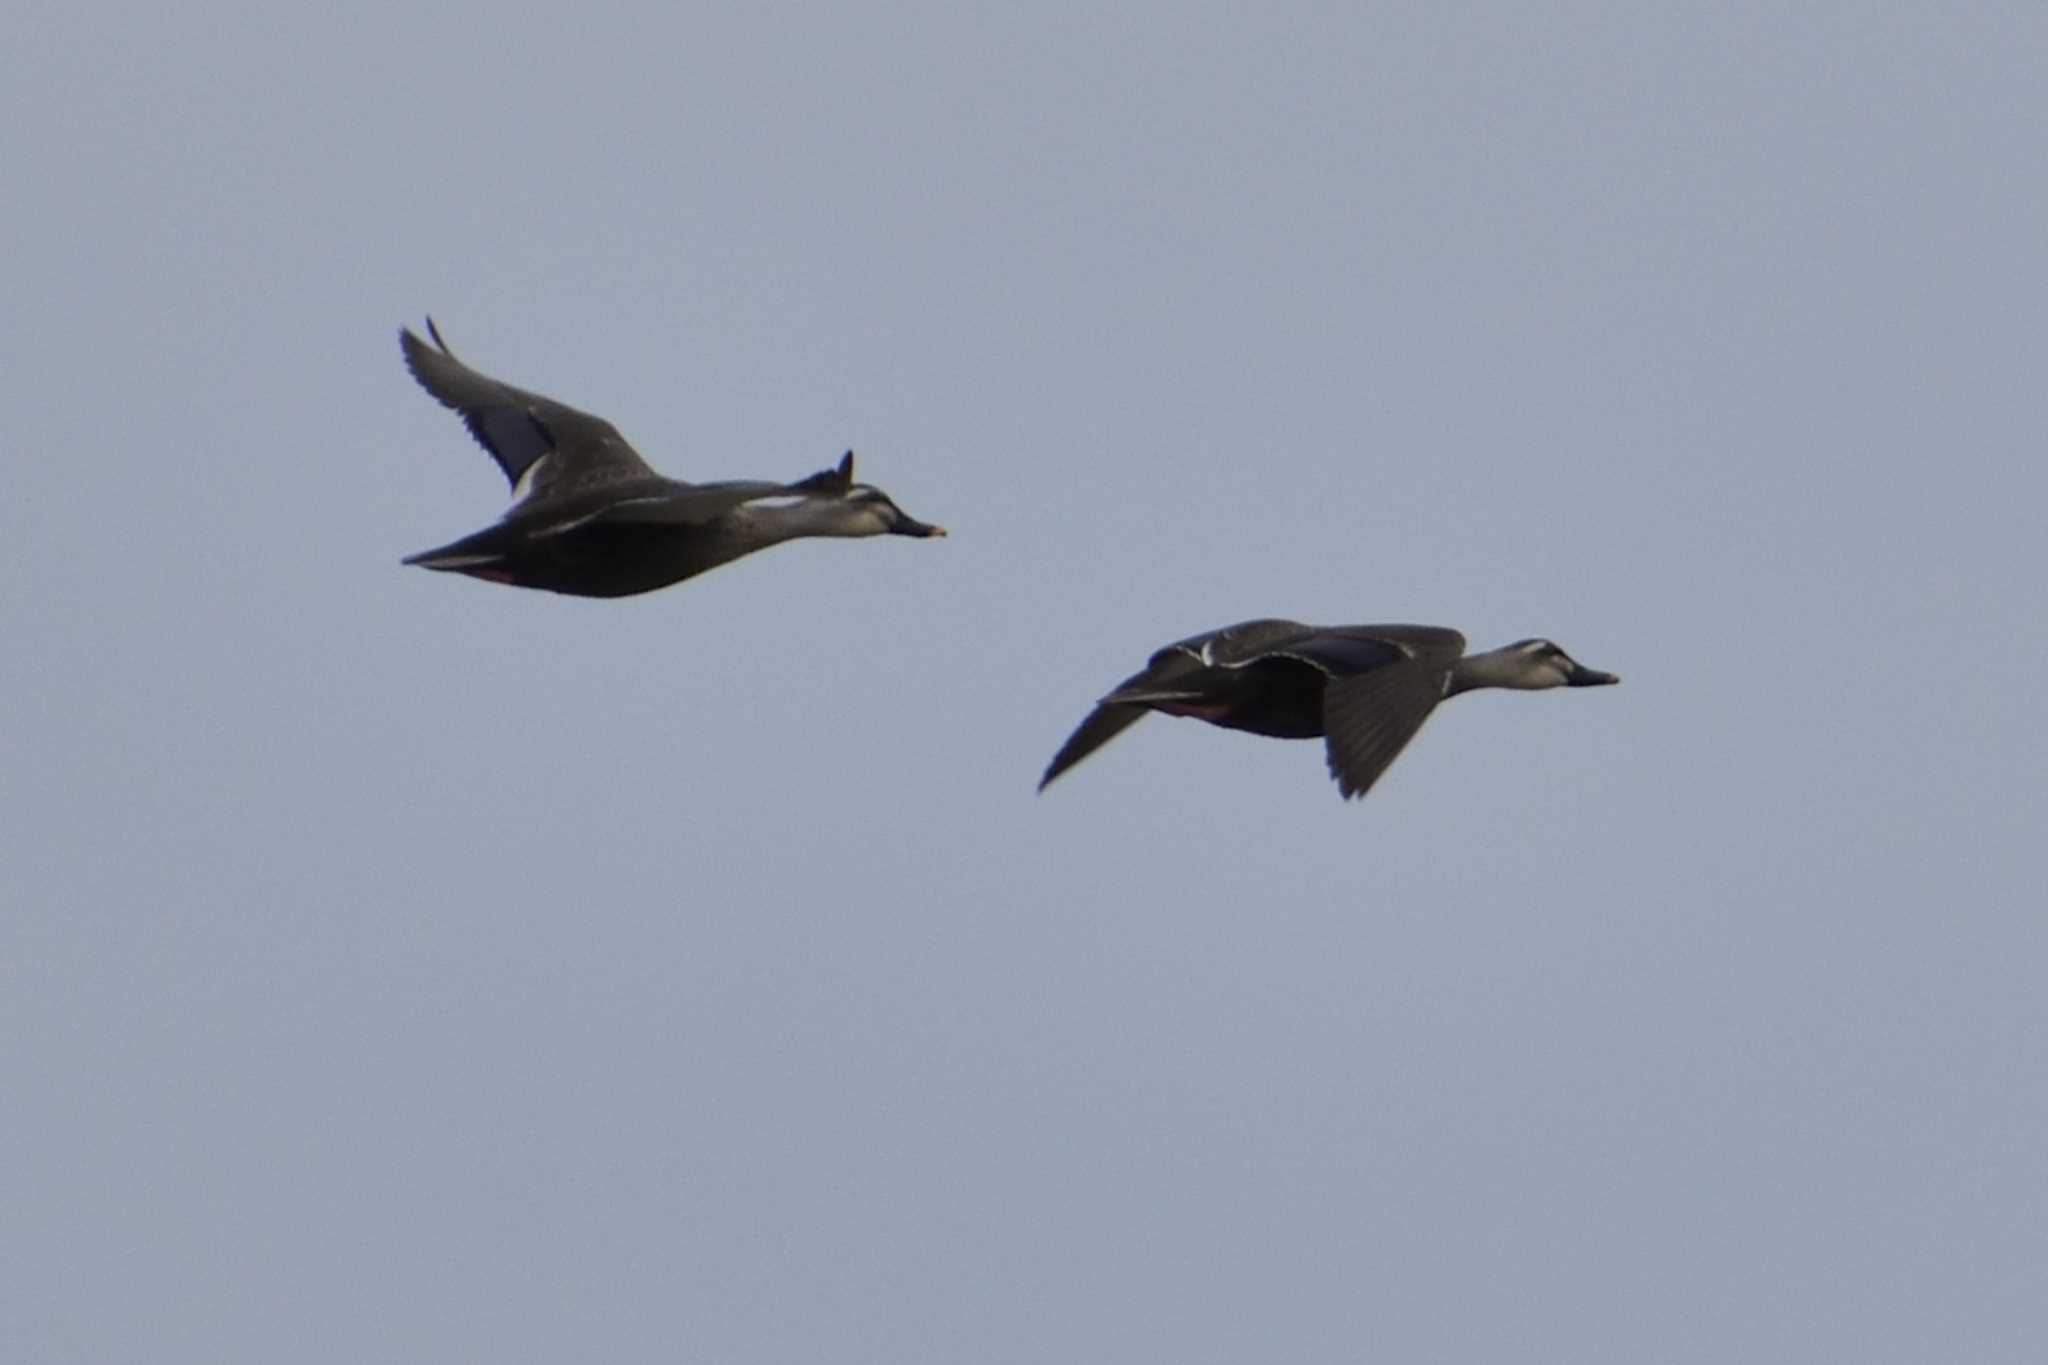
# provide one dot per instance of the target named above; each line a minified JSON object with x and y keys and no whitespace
{"x":1364,"y":690}
{"x":590,"y":518}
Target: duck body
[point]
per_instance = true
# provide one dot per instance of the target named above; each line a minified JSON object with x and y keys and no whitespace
{"x":590,"y":518}
{"x":577,"y":545}
{"x":1251,"y":676}
{"x":1365,"y":690}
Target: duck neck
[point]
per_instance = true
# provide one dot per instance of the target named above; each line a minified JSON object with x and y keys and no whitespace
{"x":797,"y":520}
{"x":1493,"y":668}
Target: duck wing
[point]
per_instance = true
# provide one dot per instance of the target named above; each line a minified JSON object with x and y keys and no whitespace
{"x":1127,"y":704}
{"x":669,"y":503}
{"x":1236,"y":646}
{"x":1384,"y":682}
{"x":547,"y":449}
{"x":1104,"y":723}
{"x":688,"y":504}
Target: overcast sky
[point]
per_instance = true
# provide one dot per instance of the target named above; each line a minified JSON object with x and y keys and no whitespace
{"x":395,"y":967}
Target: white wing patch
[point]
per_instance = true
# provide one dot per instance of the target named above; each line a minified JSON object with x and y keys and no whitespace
{"x":523,"y":490}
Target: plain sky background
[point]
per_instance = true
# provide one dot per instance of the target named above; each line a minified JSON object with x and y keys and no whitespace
{"x":395,"y":967}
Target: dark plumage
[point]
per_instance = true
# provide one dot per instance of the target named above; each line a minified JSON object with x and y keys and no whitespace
{"x":590,"y":518}
{"x":1365,"y":689}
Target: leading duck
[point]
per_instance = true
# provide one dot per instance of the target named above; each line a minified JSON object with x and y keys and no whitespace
{"x":589,"y":517}
{"x":1365,"y":689}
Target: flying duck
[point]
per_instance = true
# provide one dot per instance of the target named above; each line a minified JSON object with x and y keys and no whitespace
{"x":589,"y":517}
{"x":1365,"y":689}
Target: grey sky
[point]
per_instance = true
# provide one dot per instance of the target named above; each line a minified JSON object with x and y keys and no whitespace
{"x":399,"y":968}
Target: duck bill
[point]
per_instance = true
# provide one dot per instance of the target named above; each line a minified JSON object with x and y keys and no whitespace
{"x":911,"y":526}
{"x":1582,"y":676}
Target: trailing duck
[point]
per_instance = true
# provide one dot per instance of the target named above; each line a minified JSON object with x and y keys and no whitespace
{"x":590,"y":518}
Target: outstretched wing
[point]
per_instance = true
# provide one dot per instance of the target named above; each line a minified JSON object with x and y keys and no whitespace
{"x":831,"y":482}
{"x":1104,"y":724}
{"x":651,"y":500}
{"x":1112,"y":717}
{"x":1370,"y":713}
{"x":547,"y":449}
{"x":1235,"y":646}
{"x":687,"y":504}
